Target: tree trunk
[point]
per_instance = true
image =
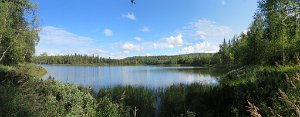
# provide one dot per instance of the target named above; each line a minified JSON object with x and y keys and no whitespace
{"x":3,"y":54}
{"x":25,"y":54}
{"x":134,"y":111}
{"x":283,"y":55}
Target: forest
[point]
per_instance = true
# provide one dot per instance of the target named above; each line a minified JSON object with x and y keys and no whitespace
{"x":202,"y":59}
{"x":263,"y":76}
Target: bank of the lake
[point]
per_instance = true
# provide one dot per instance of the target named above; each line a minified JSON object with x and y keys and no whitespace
{"x":257,"y":84}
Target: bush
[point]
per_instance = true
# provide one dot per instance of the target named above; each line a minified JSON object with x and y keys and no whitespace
{"x":45,"y":98}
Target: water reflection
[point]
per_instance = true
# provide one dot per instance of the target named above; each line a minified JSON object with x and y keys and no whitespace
{"x":148,"y":76}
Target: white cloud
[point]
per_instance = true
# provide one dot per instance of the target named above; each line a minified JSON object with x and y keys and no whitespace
{"x":169,"y":42}
{"x":65,"y":51}
{"x":200,"y":32}
{"x":98,"y":51}
{"x":130,"y":16}
{"x":50,"y":52}
{"x":139,"y":39}
{"x":162,"y":45}
{"x":204,"y":47}
{"x":58,"y":36}
{"x":200,"y":35}
{"x":127,"y":47}
{"x":204,"y":28}
{"x":145,"y":29}
{"x":58,"y":41}
{"x":108,"y":32}
{"x":223,"y":2}
{"x":178,"y":41}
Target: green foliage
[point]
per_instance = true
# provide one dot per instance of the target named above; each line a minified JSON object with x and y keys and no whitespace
{"x":18,"y":31}
{"x":12,"y":102}
{"x":107,"y":108}
{"x":33,"y":97}
{"x":196,"y":100}
{"x":224,"y":53}
{"x":257,"y":84}
{"x":203,"y":59}
{"x":272,"y":37}
{"x":138,"y":98}
{"x":24,"y":71}
{"x":30,"y":70}
{"x":7,"y":68}
{"x":63,"y":100}
{"x":173,"y":101}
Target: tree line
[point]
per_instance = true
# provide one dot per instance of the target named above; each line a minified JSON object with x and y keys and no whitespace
{"x":189,"y":59}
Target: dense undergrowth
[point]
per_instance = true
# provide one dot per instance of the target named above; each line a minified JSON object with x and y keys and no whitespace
{"x":260,"y":85}
{"x":24,"y":95}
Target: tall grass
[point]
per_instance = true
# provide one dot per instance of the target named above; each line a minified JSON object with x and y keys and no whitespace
{"x":140,"y":99}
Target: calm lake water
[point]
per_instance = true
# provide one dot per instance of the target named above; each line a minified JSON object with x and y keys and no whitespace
{"x":148,"y":76}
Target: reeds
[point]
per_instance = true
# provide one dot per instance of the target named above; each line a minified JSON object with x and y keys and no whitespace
{"x":253,"y":110}
{"x":292,"y":103}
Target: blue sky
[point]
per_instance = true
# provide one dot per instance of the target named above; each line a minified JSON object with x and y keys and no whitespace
{"x":118,"y":29}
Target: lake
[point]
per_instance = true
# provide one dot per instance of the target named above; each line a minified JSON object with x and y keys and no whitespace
{"x":147,"y":76}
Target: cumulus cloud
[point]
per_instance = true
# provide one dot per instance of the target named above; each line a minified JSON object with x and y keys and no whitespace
{"x":204,"y":47}
{"x":145,"y":29}
{"x":127,"y":47}
{"x":169,"y":42}
{"x":108,"y":32}
{"x":130,"y":16}
{"x":204,"y":28}
{"x":139,"y":39}
{"x":175,"y":40}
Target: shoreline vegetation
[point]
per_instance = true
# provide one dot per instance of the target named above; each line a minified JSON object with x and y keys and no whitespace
{"x":196,"y":59}
{"x":263,"y":77}
{"x":27,"y":95}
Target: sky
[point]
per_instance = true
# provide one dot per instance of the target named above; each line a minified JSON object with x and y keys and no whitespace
{"x":119,"y":29}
